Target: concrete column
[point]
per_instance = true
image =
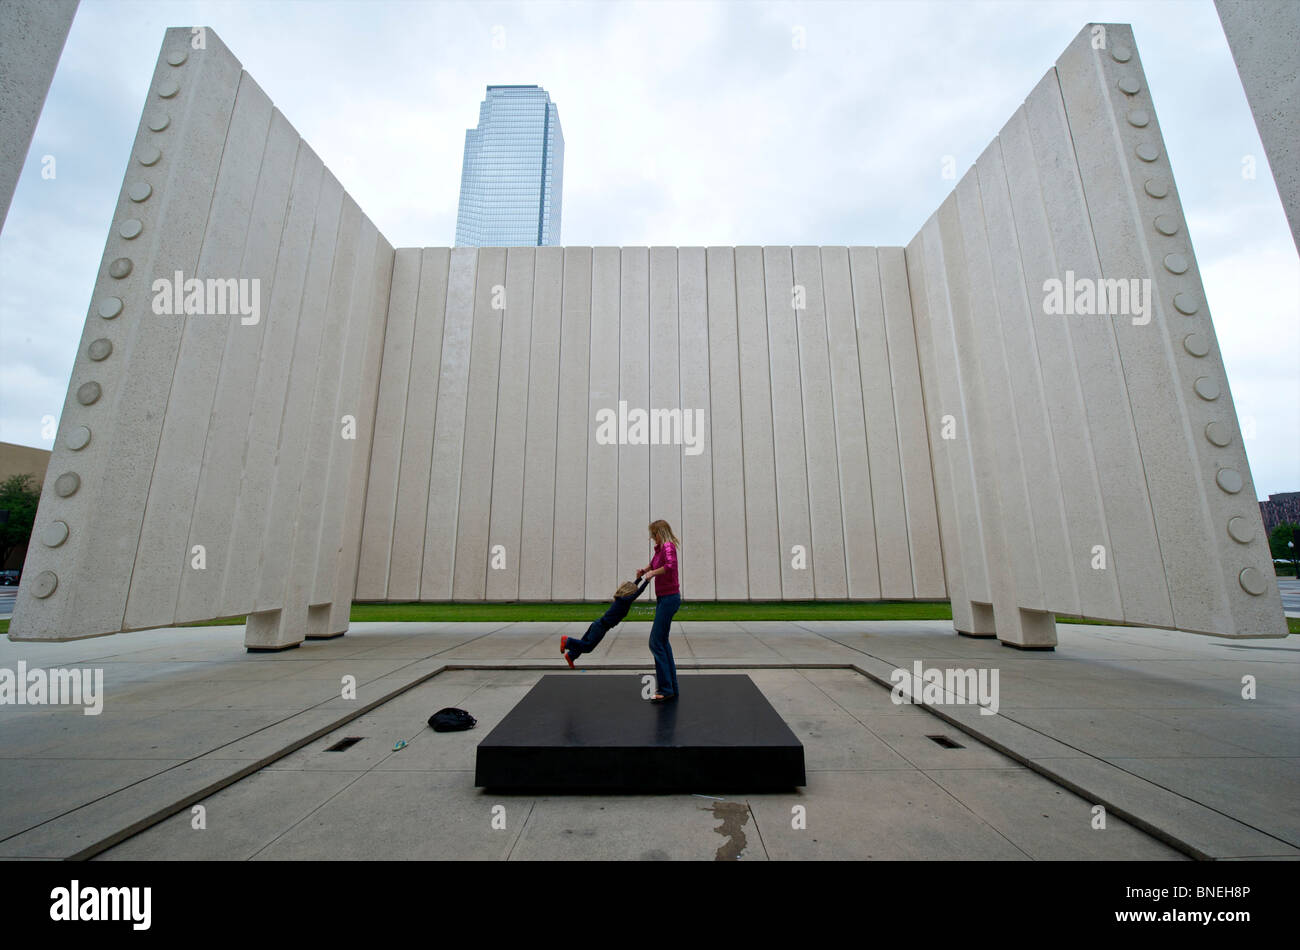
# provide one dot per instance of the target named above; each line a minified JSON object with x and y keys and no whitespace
{"x":699,"y":559}
{"x":449,"y":428}
{"x":1212,"y":547}
{"x":665,"y":393}
{"x":794,"y":523}
{"x":909,"y":413}
{"x":470,"y":527}
{"x":602,"y":501}
{"x":764,"y":553}
{"x":32,"y":34}
{"x":168,"y":527}
{"x":1264,"y":36}
{"x":573,"y":430}
{"x":102,"y":466}
{"x":390,"y":422}
{"x":888,"y":509}
{"x":854,"y":471}
{"x":1080,"y":489}
{"x":430,"y":305}
{"x":511,"y":424}
{"x":817,"y":402}
{"x":725,"y":428}
{"x":280,"y":533}
{"x":634,"y":388}
{"x":537,"y":539}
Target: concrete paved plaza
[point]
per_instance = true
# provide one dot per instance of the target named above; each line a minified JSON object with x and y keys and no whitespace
{"x":1150,"y":724}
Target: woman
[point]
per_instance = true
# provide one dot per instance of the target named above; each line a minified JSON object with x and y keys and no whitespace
{"x":663,"y":568}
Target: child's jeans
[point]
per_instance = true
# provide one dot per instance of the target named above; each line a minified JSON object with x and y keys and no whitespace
{"x":595,"y":633}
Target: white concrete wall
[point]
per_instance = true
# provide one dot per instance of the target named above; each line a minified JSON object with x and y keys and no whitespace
{"x":32,"y":34}
{"x":877,"y":423}
{"x":544,"y":512}
{"x":208,"y":431}
{"x":1077,"y":434}
{"x":1264,"y":36}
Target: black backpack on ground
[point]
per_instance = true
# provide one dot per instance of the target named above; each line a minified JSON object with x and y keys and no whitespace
{"x":451,"y":719}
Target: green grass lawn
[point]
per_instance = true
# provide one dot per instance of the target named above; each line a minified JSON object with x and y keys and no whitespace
{"x":586,"y":612}
{"x":705,"y":610}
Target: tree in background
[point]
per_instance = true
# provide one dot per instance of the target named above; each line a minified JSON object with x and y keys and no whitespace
{"x":1284,"y":542}
{"x":18,"y":497}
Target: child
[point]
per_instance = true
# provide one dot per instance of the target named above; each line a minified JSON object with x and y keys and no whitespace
{"x":627,"y":592}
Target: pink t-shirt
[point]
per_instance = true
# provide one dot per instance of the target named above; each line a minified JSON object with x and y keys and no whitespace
{"x":665,"y":556}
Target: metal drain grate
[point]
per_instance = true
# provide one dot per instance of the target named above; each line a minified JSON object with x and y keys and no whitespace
{"x":345,"y":743}
{"x":946,"y":742}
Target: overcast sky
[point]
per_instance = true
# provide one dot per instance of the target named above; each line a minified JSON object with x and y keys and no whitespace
{"x":684,"y":124}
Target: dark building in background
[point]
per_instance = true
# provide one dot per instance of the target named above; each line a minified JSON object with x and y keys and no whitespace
{"x":1280,"y":509}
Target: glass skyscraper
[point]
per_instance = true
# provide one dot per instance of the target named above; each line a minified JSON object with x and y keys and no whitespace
{"x":513,"y":174}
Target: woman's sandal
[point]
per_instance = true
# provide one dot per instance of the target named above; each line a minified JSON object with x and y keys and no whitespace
{"x":660,"y":698}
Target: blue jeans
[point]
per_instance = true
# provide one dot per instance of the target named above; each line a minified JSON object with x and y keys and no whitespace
{"x":595,"y":633}
{"x":665,"y":668}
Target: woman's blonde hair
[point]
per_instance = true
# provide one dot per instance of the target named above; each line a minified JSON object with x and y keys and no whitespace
{"x":662,"y":531}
